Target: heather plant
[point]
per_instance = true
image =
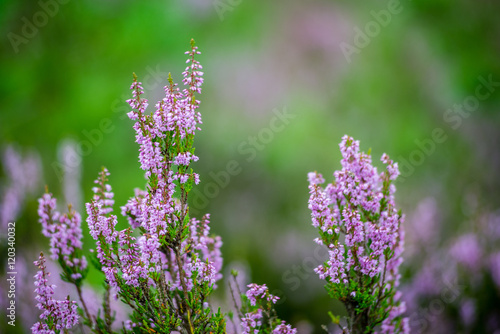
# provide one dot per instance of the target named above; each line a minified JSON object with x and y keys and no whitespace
{"x":357,"y":220}
{"x":166,"y":264}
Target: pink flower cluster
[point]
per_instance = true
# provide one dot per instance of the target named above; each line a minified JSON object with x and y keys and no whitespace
{"x":64,"y":232}
{"x":256,"y":291}
{"x":56,"y":315}
{"x":251,"y":322}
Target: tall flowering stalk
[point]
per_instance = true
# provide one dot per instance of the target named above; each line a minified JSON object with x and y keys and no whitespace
{"x":65,"y":234}
{"x":57,"y":315}
{"x":357,"y":220}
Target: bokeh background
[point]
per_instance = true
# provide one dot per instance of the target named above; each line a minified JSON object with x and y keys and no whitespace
{"x":284,"y":81}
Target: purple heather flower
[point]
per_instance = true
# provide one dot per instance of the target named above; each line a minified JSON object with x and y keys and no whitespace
{"x":251,"y":321}
{"x":315,"y":178}
{"x":318,"y":203}
{"x":261,"y":292}
{"x":64,"y":232}
{"x":58,"y":314}
{"x":466,"y":250}
{"x":468,"y":311}
{"x":132,"y":268}
{"x":205,"y":271}
{"x":283,"y":328}
{"x":185,"y":159}
{"x":150,"y":255}
{"x":100,"y":225}
{"x":209,"y":246}
{"x":133,"y":209}
{"x":335,"y":268}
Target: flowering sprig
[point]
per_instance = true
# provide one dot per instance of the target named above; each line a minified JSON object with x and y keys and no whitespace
{"x":357,"y":220}
{"x":257,"y":313}
{"x":57,"y":315}
{"x":65,"y":234}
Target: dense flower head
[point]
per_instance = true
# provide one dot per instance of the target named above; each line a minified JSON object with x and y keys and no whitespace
{"x":359,"y":205}
{"x":335,"y":268}
{"x":251,"y":322}
{"x":284,"y":328}
{"x":132,"y":268}
{"x":64,"y":232}
{"x":208,"y":245}
{"x":56,"y":314}
{"x":256,"y":291}
{"x":132,"y":210}
{"x":205,"y":271}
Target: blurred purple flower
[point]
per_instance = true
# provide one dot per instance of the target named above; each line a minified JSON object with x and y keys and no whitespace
{"x":466,"y":251}
{"x":23,"y":179}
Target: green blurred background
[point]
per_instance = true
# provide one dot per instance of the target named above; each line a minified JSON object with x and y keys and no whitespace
{"x":261,"y":58}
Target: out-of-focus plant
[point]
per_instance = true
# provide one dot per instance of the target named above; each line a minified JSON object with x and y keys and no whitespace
{"x":23,"y":174}
{"x":357,"y":220}
{"x":453,"y":286}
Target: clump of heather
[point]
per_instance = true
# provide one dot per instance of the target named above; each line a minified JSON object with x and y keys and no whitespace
{"x":357,"y":220}
{"x":166,"y":264}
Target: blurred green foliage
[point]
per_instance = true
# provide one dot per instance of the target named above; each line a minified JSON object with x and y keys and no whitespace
{"x":259,"y":56}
